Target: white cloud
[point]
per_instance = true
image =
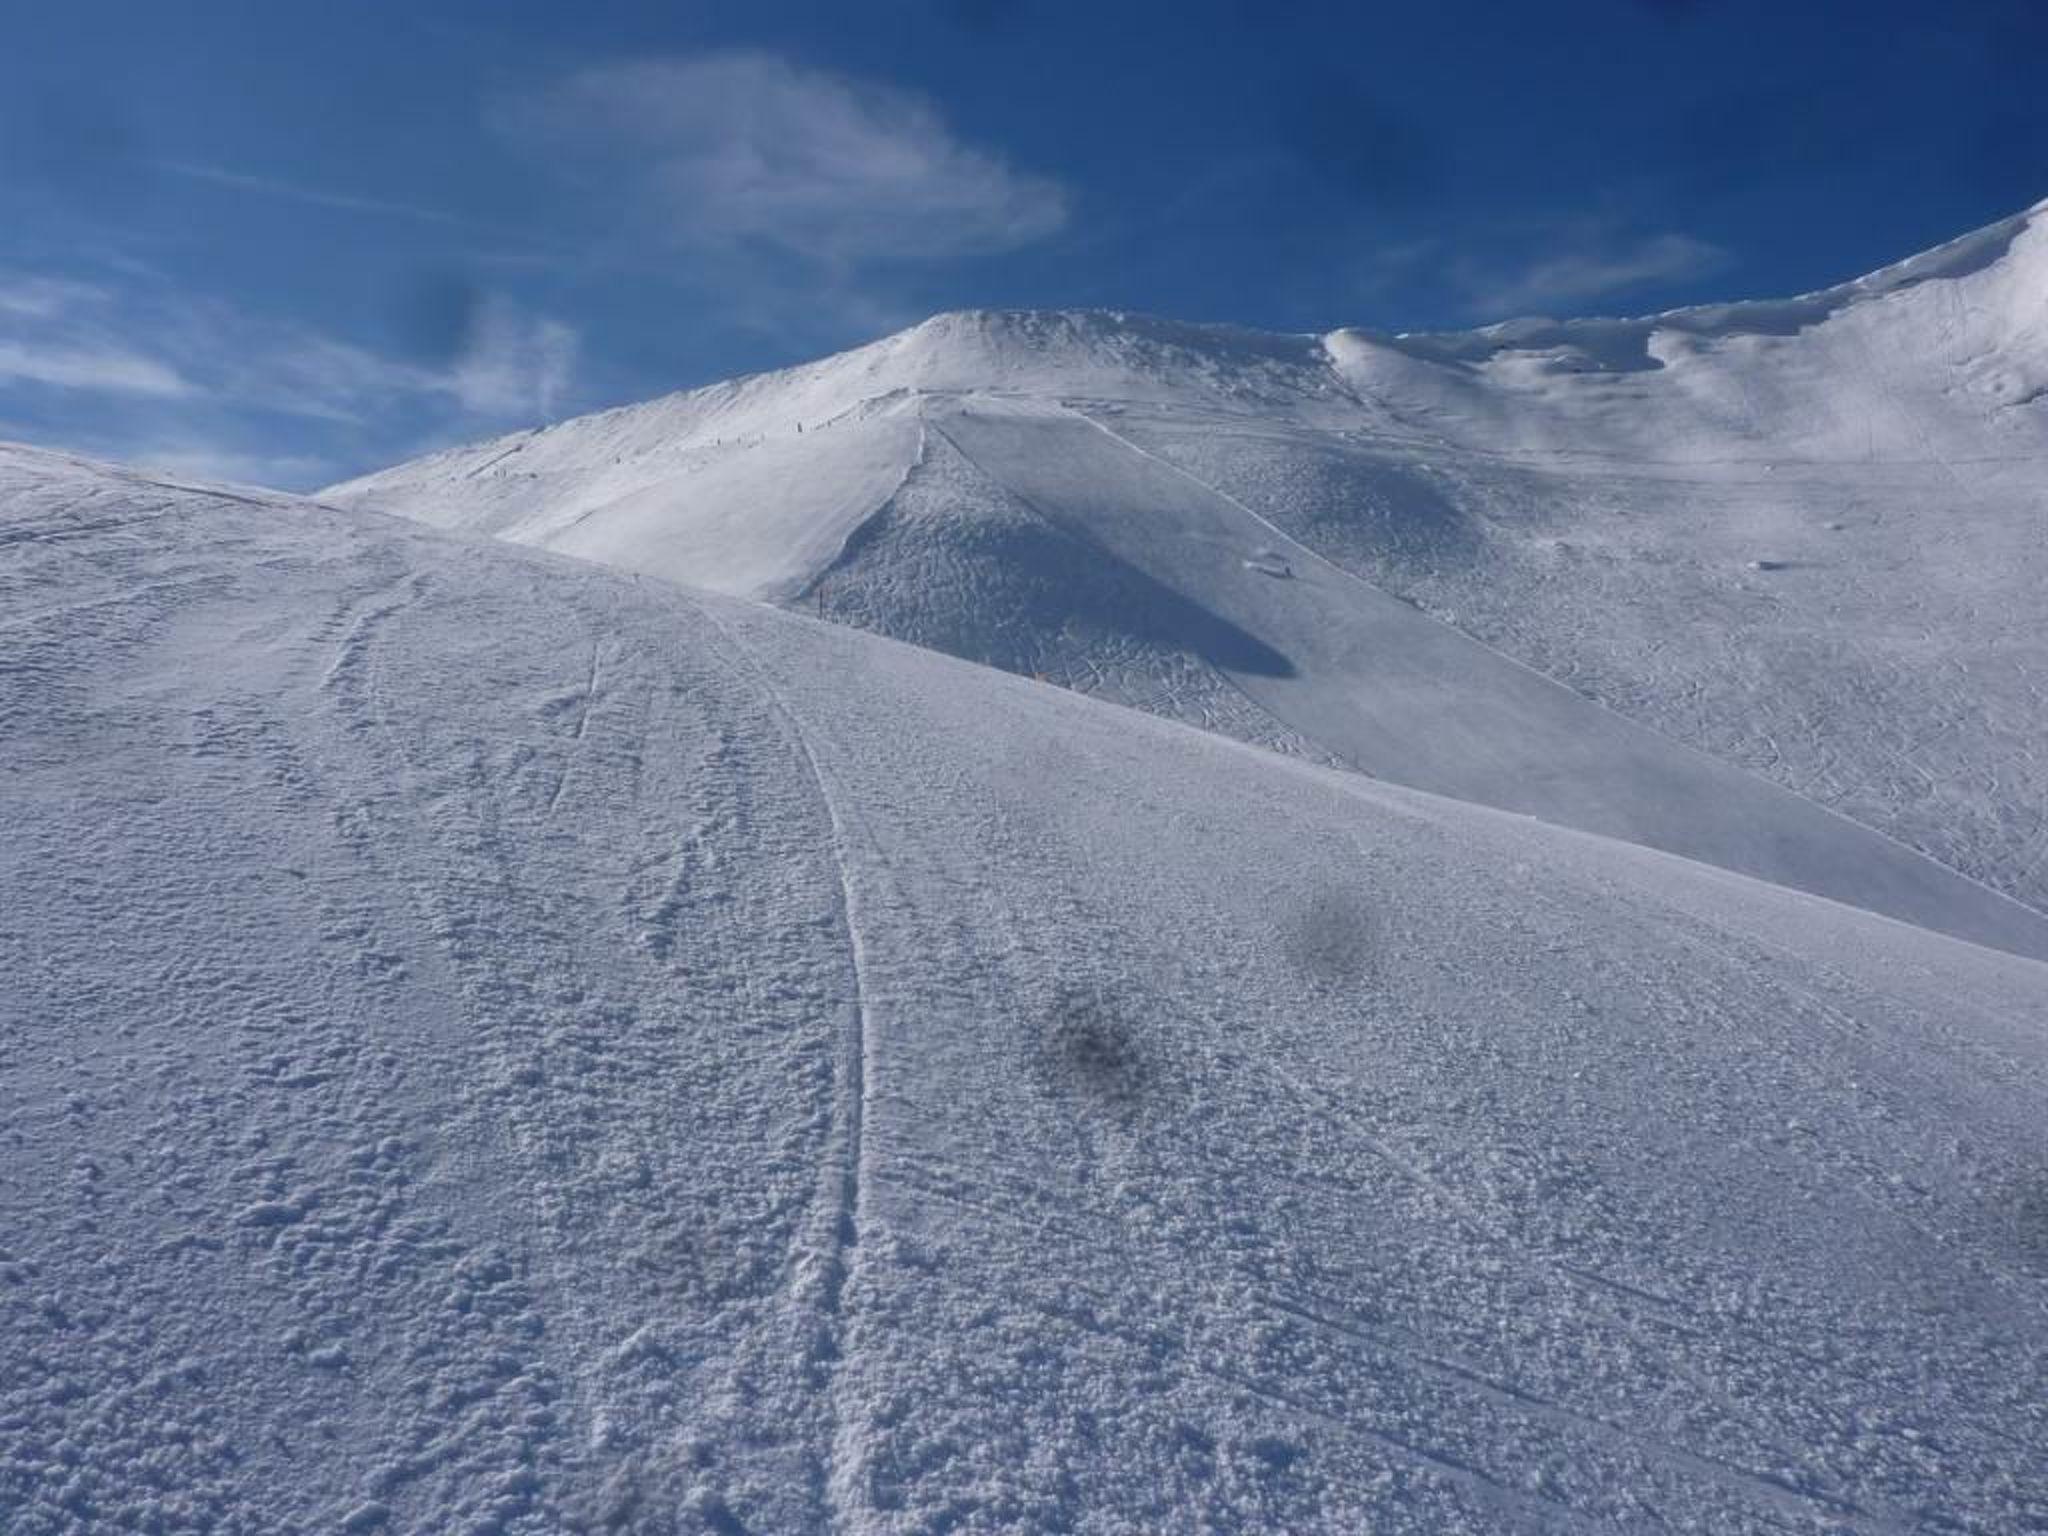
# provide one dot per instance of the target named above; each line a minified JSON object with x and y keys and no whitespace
{"x":138,"y":370}
{"x":146,"y":340}
{"x":53,"y":333}
{"x":33,"y":297}
{"x":91,"y":368}
{"x":513,"y":364}
{"x":1587,"y":265}
{"x":747,"y":148}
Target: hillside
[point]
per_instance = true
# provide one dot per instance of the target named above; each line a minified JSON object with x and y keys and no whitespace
{"x":1803,"y":539}
{"x":493,"y":1045}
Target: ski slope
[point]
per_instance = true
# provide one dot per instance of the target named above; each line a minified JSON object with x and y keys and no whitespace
{"x":1804,"y":539}
{"x":493,"y":1044}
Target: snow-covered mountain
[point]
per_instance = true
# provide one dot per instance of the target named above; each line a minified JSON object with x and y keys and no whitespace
{"x":493,"y":1045}
{"x":1713,"y":580}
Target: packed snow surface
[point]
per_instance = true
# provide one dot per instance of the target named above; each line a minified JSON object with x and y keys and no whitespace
{"x":1552,"y":566}
{"x":492,"y":1044}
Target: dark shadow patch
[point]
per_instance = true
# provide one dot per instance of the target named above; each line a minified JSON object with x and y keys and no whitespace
{"x":1330,"y":936}
{"x":1089,"y":1051}
{"x":1275,"y":1454}
{"x":1018,"y":582}
{"x":1156,"y":613}
{"x":719,"y":1519}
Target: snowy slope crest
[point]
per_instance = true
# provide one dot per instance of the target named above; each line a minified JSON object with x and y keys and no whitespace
{"x":1975,"y":303}
{"x":1941,"y":356}
{"x":749,"y":486}
{"x":1801,"y":539}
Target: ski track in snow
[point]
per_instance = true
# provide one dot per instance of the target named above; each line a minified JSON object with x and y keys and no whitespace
{"x":850,"y":1203}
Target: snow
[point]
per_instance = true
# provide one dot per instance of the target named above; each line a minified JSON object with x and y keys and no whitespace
{"x":1735,"y":581}
{"x":1595,"y":520}
{"x":492,"y":1044}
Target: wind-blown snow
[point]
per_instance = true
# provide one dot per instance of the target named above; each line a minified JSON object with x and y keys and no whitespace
{"x":495,"y":1045}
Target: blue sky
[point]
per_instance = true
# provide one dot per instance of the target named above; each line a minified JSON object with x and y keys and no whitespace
{"x":288,"y":242}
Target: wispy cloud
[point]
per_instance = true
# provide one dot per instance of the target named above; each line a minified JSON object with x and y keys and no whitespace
{"x":54,"y":333}
{"x":295,"y":192}
{"x":504,"y":361}
{"x":1588,"y":264}
{"x":140,"y":370}
{"x":32,"y":297}
{"x":512,"y":363}
{"x":740,"y":149}
{"x":90,"y":368}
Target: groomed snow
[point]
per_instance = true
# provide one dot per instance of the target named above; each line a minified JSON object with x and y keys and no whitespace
{"x":492,"y":1044}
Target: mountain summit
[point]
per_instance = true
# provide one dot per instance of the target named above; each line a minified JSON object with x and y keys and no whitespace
{"x":1718,"y":580}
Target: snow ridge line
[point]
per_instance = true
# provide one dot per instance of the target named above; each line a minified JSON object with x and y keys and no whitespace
{"x":849,"y":545}
{"x":1672,"y":741}
{"x":855,"y":1076}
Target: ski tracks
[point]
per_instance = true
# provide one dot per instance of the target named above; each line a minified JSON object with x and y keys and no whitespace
{"x":847,"y":1199}
{"x":350,"y":656}
{"x":586,"y":706}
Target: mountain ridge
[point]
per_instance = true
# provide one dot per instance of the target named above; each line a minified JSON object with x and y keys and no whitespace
{"x":1570,"y":496}
{"x":1952,"y":258}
